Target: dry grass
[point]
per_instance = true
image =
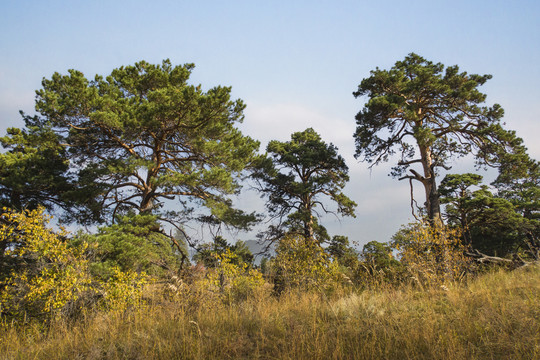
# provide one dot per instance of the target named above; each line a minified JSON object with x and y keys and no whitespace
{"x":494,"y":317}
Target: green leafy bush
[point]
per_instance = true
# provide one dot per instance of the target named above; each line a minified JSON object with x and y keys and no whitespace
{"x":378,"y":266}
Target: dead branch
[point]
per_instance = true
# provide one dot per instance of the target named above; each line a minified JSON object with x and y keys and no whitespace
{"x":514,"y":263}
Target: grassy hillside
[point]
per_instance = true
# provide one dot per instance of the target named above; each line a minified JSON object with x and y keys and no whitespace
{"x":496,"y":316}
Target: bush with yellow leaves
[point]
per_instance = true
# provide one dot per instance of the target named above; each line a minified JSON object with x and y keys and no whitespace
{"x":48,"y":276}
{"x":303,"y":264}
{"x":432,"y":255}
{"x":123,"y":290}
{"x":234,"y":280}
{"x":229,"y":280}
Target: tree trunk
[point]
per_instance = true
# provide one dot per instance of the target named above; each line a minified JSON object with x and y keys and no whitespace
{"x":308,"y":224}
{"x":16,"y":202}
{"x":433,"y":204}
{"x":309,"y":229}
{"x":148,"y":196}
{"x":147,"y":201}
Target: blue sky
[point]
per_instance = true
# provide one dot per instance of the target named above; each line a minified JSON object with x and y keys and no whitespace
{"x":294,"y":63}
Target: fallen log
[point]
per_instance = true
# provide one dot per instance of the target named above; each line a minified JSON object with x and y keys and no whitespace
{"x":481,"y":258}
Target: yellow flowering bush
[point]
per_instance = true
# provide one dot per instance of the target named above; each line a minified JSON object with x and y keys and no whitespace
{"x":432,"y":255}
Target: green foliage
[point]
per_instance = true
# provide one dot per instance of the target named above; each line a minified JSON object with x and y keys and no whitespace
{"x":456,"y":193}
{"x":295,"y":175}
{"x":490,"y":223}
{"x":143,"y":135}
{"x":377,"y":267}
{"x":430,"y":115}
{"x":341,"y":251}
{"x":264,"y":265}
{"x":303,"y":264}
{"x":523,"y":190}
{"x":378,"y":254}
{"x":521,"y":186}
{"x":494,"y":224}
{"x":134,"y":243}
{"x":33,"y":170}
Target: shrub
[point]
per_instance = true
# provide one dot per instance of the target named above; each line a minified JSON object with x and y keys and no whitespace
{"x":303,"y":264}
{"x":378,"y":266}
{"x":134,"y":243}
{"x":431,"y":255}
{"x":123,"y":290}
{"x":234,"y":280}
{"x":50,"y":276}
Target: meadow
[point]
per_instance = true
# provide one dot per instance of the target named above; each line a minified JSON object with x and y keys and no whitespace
{"x":493,"y":316}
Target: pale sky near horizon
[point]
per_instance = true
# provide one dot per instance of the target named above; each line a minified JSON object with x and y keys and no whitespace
{"x":294,"y":63}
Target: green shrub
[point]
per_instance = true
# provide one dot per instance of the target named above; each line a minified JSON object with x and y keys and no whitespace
{"x":134,"y":243}
{"x":378,"y":267}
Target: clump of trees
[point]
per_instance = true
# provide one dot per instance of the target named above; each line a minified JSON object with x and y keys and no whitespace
{"x":429,"y":115}
{"x":209,"y":253}
{"x":141,"y":153}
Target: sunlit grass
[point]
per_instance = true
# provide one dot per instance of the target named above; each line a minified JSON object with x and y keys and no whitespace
{"x":496,"y":316}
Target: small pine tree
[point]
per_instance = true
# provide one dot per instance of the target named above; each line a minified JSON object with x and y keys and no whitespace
{"x":134,"y":243}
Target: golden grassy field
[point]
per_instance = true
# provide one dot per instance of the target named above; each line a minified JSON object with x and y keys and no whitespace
{"x":496,"y":316}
